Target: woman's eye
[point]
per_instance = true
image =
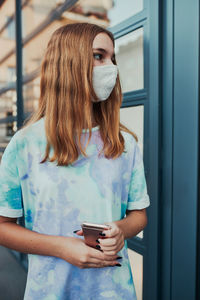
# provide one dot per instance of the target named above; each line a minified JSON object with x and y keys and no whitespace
{"x":97,"y":56}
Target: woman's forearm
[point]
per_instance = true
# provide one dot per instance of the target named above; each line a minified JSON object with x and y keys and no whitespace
{"x":134,"y":222}
{"x":18,"y":238}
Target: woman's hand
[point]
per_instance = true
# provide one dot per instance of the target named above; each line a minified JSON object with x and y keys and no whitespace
{"x":76,"y":252}
{"x":113,"y":241}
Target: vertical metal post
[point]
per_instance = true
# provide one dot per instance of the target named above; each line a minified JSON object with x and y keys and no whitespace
{"x":19,"y":92}
{"x":19,"y":82}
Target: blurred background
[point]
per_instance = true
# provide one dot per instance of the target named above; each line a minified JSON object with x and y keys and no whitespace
{"x":39,"y":19}
{"x":157,"y":51}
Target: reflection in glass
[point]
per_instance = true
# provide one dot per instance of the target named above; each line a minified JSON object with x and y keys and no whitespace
{"x":122,"y":10}
{"x":133,"y":119}
{"x":130,"y":59}
{"x":136,"y":261}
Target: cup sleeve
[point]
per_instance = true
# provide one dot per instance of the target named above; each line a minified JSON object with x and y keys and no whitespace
{"x":138,"y":197}
{"x":10,"y":188}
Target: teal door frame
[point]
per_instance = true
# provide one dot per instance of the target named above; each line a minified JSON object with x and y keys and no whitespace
{"x":171,"y":246}
{"x":179,"y":150}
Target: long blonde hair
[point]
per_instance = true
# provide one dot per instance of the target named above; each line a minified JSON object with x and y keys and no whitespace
{"x":65,"y":96}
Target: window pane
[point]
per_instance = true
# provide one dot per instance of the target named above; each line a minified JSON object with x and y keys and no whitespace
{"x":31,"y":93}
{"x":35,"y":12}
{"x":3,"y":141}
{"x":136,"y":261}
{"x":133,"y":118}
{"x":122,"y":10}
{"x":8,"y":104}
{"x":130,"y":59}
{"x":8,"y":72}
{"x":7,"y":43}
{"x":7,"y":11}
{"x":34,"y":50}
{"x":8,"y":107}
{"x":6,"y":132}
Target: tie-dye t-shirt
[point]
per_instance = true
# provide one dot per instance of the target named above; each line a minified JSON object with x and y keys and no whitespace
{"x":55,"y":200}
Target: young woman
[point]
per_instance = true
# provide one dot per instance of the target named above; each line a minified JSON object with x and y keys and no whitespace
{"x":75,"y":162}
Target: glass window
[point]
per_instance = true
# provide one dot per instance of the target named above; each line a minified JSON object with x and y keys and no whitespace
{"x":7,"y":9}
{"x":133,"y":118}
{"x":31,"y":94}
{"x":130,"y":59}
{"x":8,"y":107}
{"x":33,"y":51}
{"x":35,"y":12}
{"x":6,"y":45}
{"x":136,"y":261}
{"x":10,"y":28}
{"x":11,"y":71}
{"x":106,"y":13}
{"x":3,"y":137}
{"x":122,"y":10}
{"x":8,"y":71}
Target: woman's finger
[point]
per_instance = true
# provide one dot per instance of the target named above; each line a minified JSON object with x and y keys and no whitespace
{"x":78,"y":232}
{"x":101,"y":265}
{"x":108,"y":260}
{"x":110,"y":242}
{"x":113,"y":231}
{"x":99,"y":255}
{"x":112,"y":250}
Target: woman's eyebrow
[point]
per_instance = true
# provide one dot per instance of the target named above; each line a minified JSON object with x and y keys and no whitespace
{"x":103,"y":50}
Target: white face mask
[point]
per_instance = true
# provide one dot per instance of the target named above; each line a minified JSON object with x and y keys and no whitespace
{"x":104,"y":79}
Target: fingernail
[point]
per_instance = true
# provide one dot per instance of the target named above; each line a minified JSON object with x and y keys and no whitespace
{"x":119,"y":257}
{"x":118,"y":265}
{"x":102,"y":234}
{"x":98,"y":247}
{"x":97,"y":241}
{"x":75,"y":231}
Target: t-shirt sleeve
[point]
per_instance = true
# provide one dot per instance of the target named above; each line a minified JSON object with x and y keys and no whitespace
{"x":138,"y":197}
{"x":10,"y":188}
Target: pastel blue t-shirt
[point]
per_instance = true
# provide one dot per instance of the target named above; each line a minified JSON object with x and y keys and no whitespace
{"x":55,"y":200}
